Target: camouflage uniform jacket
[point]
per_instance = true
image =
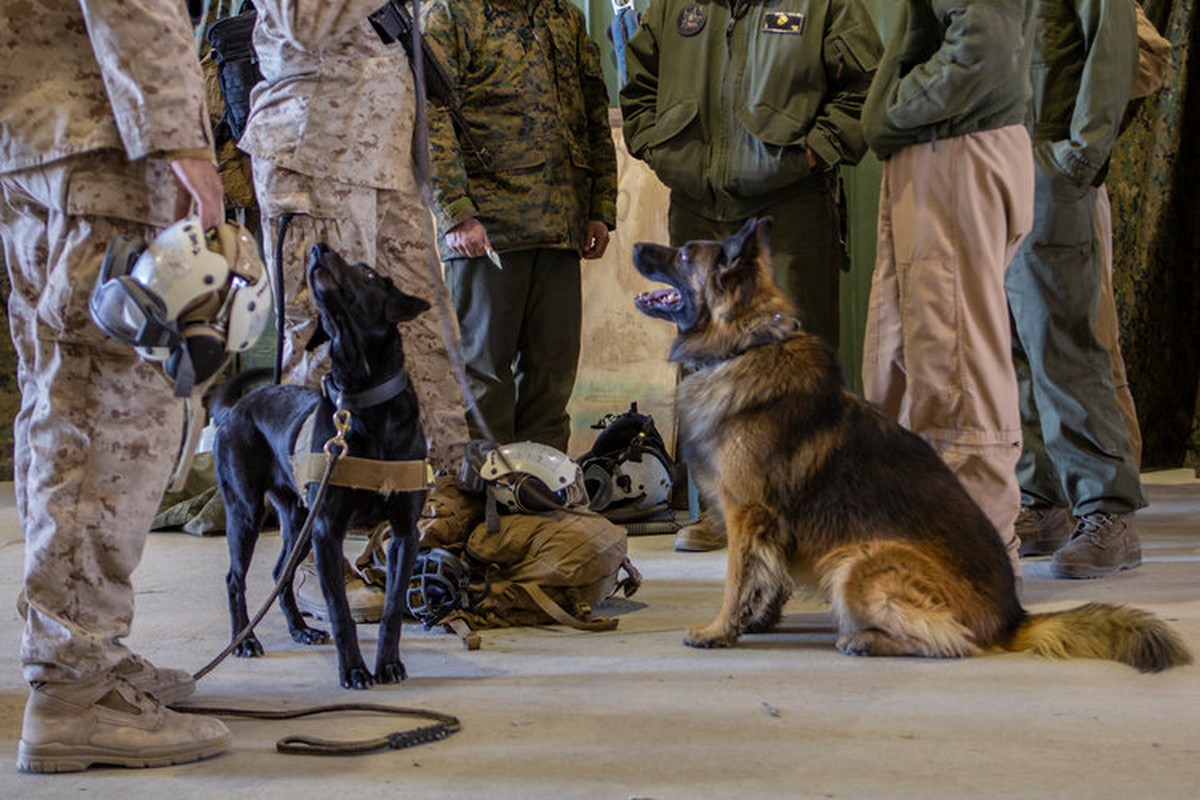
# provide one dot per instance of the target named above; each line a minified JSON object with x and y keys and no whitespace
{"x":334,"y":101}
{"x":61,"y":96}
{"x":532,"y":91}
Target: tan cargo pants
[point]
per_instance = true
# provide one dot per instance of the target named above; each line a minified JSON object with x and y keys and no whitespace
{"x":937,"y":354}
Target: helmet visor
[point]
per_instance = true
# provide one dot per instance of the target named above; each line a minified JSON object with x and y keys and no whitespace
{"x":124,"y":310}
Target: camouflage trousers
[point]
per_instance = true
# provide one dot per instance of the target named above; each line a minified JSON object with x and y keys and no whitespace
{"x":98,"y":429}
{"x":392,"y":232}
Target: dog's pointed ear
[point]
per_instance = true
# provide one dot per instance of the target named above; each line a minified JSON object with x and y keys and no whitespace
{"x":319,"y":337}
{"x":742,"y":250}
{"x":762,"y":232}
{"x":402,"y":307}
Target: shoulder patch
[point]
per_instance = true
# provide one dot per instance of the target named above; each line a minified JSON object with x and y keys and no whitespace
{"x":691,"y":19}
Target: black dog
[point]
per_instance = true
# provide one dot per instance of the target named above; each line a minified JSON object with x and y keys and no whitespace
{"x":257,"y":435}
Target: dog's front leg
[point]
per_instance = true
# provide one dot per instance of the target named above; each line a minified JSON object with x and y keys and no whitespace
{"x":401,"y":553}
{"x":756,"y":579}
{"x":327,"y":548}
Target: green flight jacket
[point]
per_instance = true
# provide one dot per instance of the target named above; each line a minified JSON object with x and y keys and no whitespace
{"x":1083,"y":71}
{"x":723,"y":97}
{"x":952,"y":67}
{"x":532,"y":92}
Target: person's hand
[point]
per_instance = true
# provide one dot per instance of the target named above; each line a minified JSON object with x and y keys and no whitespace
{"x":812,"y":158}
{"x":595,"y":240}
{"x":468,"y":238}
{"x":202,"y":184}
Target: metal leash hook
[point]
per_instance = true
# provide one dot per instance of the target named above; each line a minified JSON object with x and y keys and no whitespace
{"x":335,"y":448}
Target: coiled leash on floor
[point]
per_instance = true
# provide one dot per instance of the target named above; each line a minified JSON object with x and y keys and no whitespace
{"x":444,"y":724}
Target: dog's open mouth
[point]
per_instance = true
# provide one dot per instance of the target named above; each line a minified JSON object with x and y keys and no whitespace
{"x":660,"y":300}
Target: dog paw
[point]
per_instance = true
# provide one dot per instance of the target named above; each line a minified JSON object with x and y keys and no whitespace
{"x":310,"y":636}
{"x":250,"y":647}
{"x":357,"y":678}
{"x":701,"y":636}
{"x":391,"y":673}
{"x":854,"y":644}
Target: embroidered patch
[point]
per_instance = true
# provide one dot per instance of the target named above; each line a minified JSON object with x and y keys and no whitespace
{"x":691,"y":19}
{"x":781,"y":22}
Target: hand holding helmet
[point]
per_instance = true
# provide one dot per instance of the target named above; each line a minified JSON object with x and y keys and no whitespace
{"x":188,"y":298}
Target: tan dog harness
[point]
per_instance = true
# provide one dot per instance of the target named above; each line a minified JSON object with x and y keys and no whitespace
{"x":383,"y":477}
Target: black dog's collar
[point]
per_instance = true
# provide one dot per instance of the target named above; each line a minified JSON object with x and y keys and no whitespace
{"x":376,"y":395}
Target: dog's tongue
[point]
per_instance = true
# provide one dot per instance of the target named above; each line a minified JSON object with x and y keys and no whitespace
{"x":658,"y":298}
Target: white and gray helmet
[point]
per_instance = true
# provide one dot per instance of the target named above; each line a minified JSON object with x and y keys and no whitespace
{"x":189,"y":298}
{"x":532,"y":477}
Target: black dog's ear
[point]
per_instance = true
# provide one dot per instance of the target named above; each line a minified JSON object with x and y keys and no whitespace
{"x":402,"y":307}
{"x":319,"y":337}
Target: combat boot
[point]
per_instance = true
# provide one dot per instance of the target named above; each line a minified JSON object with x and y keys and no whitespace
{"x":1043,"y":529}
{"x":699,"y":537}
{"x":107,"y":720}
{"x":1101,"y":544}
{"x":366,"y":600}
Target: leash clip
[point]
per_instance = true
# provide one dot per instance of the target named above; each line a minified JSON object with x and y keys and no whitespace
{"x":335,"y":448}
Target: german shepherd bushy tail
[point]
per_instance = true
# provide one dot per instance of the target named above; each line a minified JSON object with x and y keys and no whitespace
{"x":1101,"y":630}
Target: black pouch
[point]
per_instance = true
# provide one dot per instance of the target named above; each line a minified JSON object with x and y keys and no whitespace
{"x":232,"y":44}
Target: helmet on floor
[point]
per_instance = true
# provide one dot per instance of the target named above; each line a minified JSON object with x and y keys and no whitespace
{"x":532,"y":477}
{"x":628,"y":467}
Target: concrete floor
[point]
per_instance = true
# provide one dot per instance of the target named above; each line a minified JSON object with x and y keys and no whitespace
{"x":549,"y":712}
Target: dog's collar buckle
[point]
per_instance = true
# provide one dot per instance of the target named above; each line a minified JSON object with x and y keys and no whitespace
{"x":772,"y":320}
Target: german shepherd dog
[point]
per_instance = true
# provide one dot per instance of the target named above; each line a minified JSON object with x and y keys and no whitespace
{"x":258,"y":434}
{"x":816,"y":488}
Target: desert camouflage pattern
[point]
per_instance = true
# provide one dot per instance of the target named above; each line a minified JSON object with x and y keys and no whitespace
{"x":98,"y":429}
{"x":331,"y":135}
{"x":334,"y":101}
{"x":57,"y":99}
{"x":393,"y":233}
{"x":532,"y":91}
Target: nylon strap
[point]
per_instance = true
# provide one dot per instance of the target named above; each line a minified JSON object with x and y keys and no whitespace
{"x":547,"y":604}
{"x":384,"y":477}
